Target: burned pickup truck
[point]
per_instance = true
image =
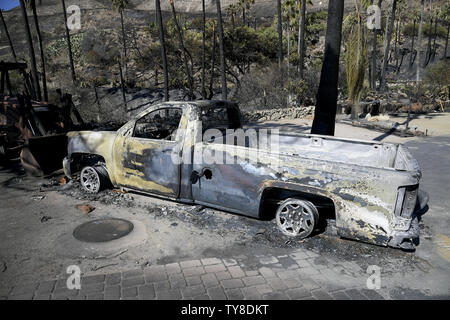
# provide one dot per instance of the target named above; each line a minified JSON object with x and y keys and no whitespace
{"x":198,"y":153}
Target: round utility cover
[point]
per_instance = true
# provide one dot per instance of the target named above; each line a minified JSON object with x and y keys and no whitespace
{"x":103,"y":230}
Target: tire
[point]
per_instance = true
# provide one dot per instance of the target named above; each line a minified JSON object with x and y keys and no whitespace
{"x":93,"y":179}
{"x":297,"y":218}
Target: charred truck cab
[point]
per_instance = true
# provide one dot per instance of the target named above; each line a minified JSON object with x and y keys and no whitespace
{"x":178,"y":150}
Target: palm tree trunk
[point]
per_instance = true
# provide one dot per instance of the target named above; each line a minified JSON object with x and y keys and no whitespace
{"x":69,"y":45}
{"x":37,"y":88}
{"x":41,"y":50}
{"x":203,"y":49}
{"x":388,"y":47}
{"x":162,"y":42}
{"x":326,"y":105}
{"x":301,"y":37}
{"x":13,"y":52}
{"x":280,"y":34}
{"x":222,"y":52}
{"x":183,"y":50}
{"x":419,"y":40}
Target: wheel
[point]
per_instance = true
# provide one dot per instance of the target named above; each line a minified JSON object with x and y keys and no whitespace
{"x":92,"y":179}
{"x":297,"y":218}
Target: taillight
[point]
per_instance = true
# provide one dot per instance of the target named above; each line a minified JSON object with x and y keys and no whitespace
{"x":406,"y":201}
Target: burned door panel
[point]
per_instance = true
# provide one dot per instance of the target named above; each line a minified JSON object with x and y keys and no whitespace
{"x":146,"y":156}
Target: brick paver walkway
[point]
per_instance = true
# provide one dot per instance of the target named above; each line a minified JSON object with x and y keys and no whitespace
{"x":300,"y":275}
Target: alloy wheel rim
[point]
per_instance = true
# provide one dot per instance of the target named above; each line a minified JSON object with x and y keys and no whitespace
{"x":90,"y":180}
{"x":295,"y":218}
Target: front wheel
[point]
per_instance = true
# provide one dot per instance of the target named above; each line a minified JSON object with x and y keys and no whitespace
{"x":296,"y":217}
{"x":93,"y":179}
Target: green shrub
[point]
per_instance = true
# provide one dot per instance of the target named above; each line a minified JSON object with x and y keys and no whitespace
{"x":409,"y":30}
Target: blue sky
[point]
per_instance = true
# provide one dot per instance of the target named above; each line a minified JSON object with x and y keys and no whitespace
{"x":8,"y":4}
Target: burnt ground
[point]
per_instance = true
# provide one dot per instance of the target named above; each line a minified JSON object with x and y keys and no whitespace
{"x":38,"y":216}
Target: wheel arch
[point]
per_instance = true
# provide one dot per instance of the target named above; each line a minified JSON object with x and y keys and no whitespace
{"x":274,"y":192}
{"x":81,"y":159}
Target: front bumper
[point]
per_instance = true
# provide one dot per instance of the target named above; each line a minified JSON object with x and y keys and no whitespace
{"x":67,"y":161}
{"x":408,"y":239}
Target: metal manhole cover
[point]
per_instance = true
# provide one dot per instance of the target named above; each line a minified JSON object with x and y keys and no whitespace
{"x":103,"y":230}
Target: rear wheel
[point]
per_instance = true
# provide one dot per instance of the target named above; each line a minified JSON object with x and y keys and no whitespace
{"x":296,"y":217}
{"x":93,"y":178}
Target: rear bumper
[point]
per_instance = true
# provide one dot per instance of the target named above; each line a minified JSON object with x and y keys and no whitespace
{"x":408,"y":239}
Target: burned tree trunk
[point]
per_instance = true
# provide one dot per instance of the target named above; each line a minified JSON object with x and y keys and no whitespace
{"x":37,"y":88}
{"x":124,"y":43}
{"x":8,"y":36}
{"x":222,"y":51}
{"x":213,"y":59}
{"x":162,"y":42}
{"x":203,"y":49}
{"x":433,"y":52}
{"x":301,"y":39}
{"x":325,"y":112}
{"x":428,"y":54}
{"x":183,"y":51}
{"x":446,"y":42}
{"x":387,"y":49}
{"x":419,"y":41}
{"x":280,"y":34}
{"x":122,"y":83}
{"x":41,"y":50}
{"x":412,"y":57}
{"x":69,"y":45}
{"x":373,"y":80}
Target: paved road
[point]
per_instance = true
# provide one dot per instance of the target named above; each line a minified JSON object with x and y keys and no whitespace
{"x":302,"y":274}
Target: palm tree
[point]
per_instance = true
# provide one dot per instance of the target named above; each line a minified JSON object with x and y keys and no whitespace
{"x":222,"y":53}
{"x":184,"y":51}
{"x":325,"y":112}
{"x":69,"y":45}
{"x":355,"y":62}
{"x":37,"y":88}
{"x":388,"y":47}
{"x":120,"y":5}
{"x":245,"y":6}
{"x":231,"y":12}
{"x":419,"y":40}
{"x":13,"y":52}
{"x":242,"y":5}
{"x":280,"y":34}
{"x":41,"y":50}
{"x":162,"y":42}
